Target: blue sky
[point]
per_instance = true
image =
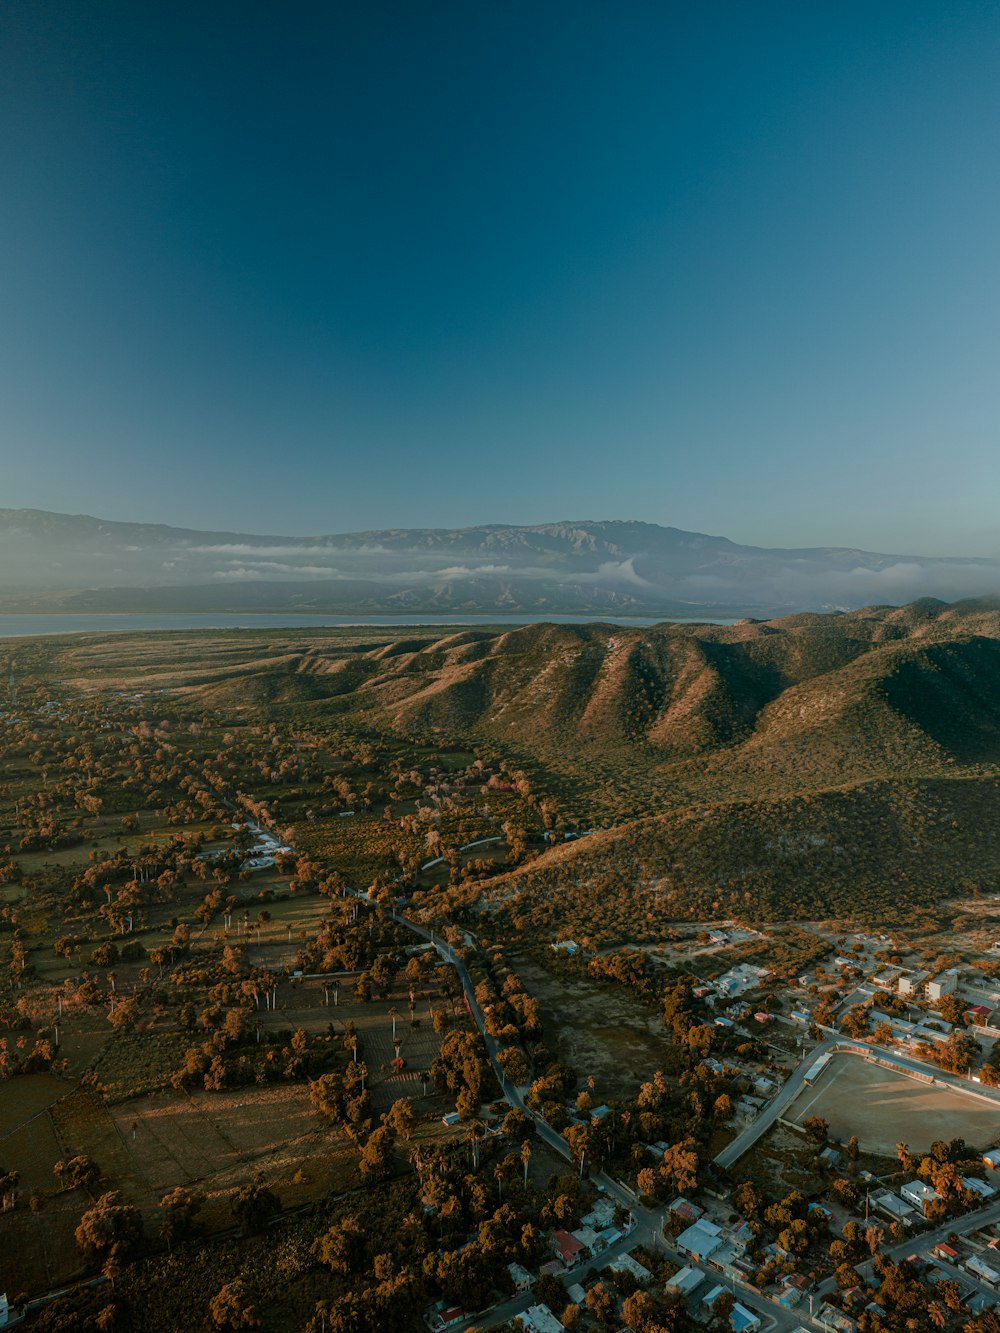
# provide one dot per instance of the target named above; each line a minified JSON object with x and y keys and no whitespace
{"x":317,"y":267}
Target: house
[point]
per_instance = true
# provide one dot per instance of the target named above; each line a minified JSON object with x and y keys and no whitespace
{"x":992,"y":1159}
{"x":700,"y":1240}
{"x":686,"y":1281}
{"x":440,"y":1316}
{"x":743,"y":1237}
{"x":576,"y":1293}
{"x":828,"y":1316}
{"x":819,"y":1208}
{"x":589,"y":1239}
{"x":686,"y":1209}
{"x":917,"y":1193}
{"x":800,"y":1017}
{"x":710,"y":1297}
{"x":451,"y":1118}
{"x":944,"y":1251}
{"x":600,"y":1216}
{"x":567,"y":1247}
{"x":742,"y":1320}
{"x":797,"y":1281}
{"x":787,"y":1297}
{"x":540,"y":1319}
{"x":520,"y":1277}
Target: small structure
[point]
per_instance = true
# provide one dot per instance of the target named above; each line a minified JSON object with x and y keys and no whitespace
{"x":541,"y":1319}
{"x":742,"y":1320}
{"x":520,"y":1277}
{"x":977,"y":1186}
{"x":981,"y":1269}
{"x":992,"y":1159}
{"x":626,"y":1264}
{"x":890,"y":1205}
{"x":576,"y":1293}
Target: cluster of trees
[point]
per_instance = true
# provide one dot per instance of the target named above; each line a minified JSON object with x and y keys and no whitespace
{"x":462,"y":1070}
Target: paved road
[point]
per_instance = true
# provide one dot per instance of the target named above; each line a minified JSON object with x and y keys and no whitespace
{"x":960,"y":1226}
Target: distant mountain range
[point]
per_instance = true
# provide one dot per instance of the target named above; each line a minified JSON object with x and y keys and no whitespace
{"x":63,"y":562}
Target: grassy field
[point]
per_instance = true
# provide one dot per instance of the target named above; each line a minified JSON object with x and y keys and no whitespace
{"x":884,"y":1108}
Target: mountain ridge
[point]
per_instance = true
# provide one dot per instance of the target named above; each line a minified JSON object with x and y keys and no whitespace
{"x":58,"y":562}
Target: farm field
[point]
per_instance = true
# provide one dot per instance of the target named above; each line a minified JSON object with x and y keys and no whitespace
{"x":885,"y":1108}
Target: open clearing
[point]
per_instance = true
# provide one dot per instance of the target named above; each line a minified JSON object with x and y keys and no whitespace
{"x":599,"y":1031}
{"x":884,"y":1108}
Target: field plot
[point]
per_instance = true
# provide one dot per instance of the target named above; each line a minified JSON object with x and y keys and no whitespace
{"x":597,"y":1030}
{"x":85,"y":1127}
{"x":884,"y":1108}
{"x":181,"y":1138}
{"x":27,"y":1140}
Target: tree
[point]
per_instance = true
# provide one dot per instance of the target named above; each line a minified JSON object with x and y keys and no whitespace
{"x":401,"y":1117}
{"x":180,"y":1207}
{"x":110,"y":1227}
{"x":679,"y":1168}
{"x":817,"y":1128}
{"x":342,"y":1247}
{"x":230,"y":1307}
{"x":601,"y":1302}
{"x":76,"y":1171}
{"x":548,"y":1290}
{"x":253,"y":1207}
{"x":376,"y":1155}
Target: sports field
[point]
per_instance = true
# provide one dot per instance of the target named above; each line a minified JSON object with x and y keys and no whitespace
{"x":884,"y":1108}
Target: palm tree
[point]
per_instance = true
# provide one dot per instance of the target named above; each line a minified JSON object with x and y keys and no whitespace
{"x":472,"y":1136}
{"x":525,"y":1158}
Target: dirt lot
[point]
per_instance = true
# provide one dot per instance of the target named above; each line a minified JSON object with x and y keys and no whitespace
{"x":885,"y":1108}
{"x":599,"y":1031}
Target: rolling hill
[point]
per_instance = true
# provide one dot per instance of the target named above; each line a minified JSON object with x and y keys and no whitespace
{"x":781,"y":767}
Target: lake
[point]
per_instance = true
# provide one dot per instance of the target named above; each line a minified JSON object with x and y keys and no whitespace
{"x":16,"y":626}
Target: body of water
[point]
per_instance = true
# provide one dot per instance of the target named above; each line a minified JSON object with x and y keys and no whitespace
{"x":20,"y":625}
